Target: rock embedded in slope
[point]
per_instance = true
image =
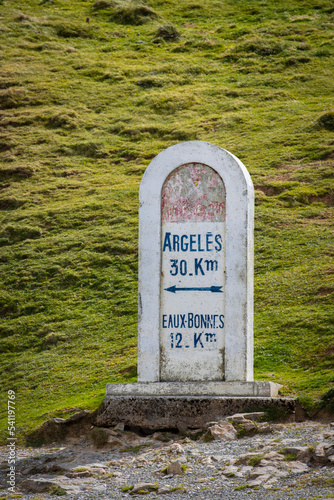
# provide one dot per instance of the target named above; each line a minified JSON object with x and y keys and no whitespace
{"x":144,"y":488}
{"x":175,"y":468}
{"x":223,"y":430}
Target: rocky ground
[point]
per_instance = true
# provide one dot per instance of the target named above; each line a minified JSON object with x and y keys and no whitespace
{"x":236,"y":458}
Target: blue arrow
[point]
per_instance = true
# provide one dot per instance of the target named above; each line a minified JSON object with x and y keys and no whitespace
{"x":213,"y":289}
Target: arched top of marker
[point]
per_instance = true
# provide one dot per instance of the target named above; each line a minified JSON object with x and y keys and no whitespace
{"x":231,"y":170}
{"x":193,"y":193}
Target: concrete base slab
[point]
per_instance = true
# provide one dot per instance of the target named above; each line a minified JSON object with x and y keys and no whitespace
{"x":212,"y":388}
{"x":170,"y":412}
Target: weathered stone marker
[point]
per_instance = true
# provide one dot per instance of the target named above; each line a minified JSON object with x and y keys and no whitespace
{"x":195,"y":329}
{"x":196,"y":234}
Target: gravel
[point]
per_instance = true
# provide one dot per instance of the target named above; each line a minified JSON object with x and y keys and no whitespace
{"x":208,"y":469}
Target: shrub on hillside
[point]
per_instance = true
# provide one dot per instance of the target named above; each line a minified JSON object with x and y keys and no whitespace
{"x":72,"y":30}
{"x":167,"y":32}
{"x":103,"y":4}
{"x":134,"y":13}
{"x":327,"y":120}
{"x":256,"y":45}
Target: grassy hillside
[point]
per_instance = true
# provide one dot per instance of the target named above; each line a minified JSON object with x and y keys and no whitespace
{"x":89,"y":93}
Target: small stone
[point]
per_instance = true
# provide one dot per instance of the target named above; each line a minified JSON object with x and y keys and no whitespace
{"x":278,"y":427}
{"x":45,"y":468}
{"x":144,"y":487}
{"x":58,"y":485}
{"x":328,"y":435}
{"x":114,"y":463}
{"x":84,"y":473}
{"x":262,"y":471}
{"x":301,"y":452}
{"x":296,"y":467}
{"x":329,"y":449}
{"x":113,"y":442}
{"x":241,"y":417}
{"x":36,"y":485}
{"x":186,"y":440}
{"x":209,"y":424}
{"x":95,"y":466}
{"x":248,"y":426}
{"x":230,"y":471}
{"x":256,"y":416}
{"x":271,"y":483}
{"x":223,"y":431}
{"x":259,"y":480}
{"x":196,"y":433}
{"x":164,"y":489}
{"x":273,"y":455}
{"x":265,"y":463}
{"x":238,"y":418}
{"x":319,"y":454}
{"x":117,"y":474}
{"x":246,"y":469}
{"x":174,"y":468}
{"x":99,"y":472}
{"x":175,"y":449}
{"x":264,"y":428}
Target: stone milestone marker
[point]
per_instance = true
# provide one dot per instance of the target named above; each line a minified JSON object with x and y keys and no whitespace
{"x":195,"y":317}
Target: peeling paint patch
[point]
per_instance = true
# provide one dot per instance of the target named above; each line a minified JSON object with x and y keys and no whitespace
{"x":193,"y":192}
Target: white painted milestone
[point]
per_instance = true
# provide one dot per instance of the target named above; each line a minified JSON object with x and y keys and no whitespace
{"x":195,"y":234}
{"x":195,"y":300}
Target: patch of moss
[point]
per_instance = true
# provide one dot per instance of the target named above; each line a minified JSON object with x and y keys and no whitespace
{"x":241,"y":487}
{"x":207,"y":437}
{"x":180,"y":489}
{"x":290,"y":457}
{"x":57,"y":490}
{"x":255,"y":460}
{"x":127,"y":488}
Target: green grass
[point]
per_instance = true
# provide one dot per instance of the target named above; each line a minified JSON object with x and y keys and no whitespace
{"x":89,"y":93}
